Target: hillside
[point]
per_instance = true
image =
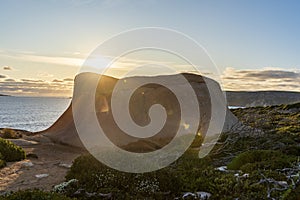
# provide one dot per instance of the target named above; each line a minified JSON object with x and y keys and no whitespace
{"x":261,"y":98}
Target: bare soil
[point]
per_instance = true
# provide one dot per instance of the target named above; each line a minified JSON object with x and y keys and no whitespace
{"x":53,"y":159}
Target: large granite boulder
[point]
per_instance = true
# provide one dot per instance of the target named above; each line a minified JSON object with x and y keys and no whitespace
{"x":64,"y":130}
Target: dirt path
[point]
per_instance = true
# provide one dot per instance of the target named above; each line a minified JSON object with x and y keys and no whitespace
{"x":53,"y":160}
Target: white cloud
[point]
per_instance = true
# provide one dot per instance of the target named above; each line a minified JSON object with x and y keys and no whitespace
{"x":31,"y":57}
{"x":262,"y":79}
{"x":35,"y":87}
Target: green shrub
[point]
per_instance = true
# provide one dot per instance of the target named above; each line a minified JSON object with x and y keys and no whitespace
{"x":270,"y":164}
{"x":8,"y":133}
{"x":292,"y":129}
{"x":278,"y":149}
{"x":2,"y":162}
{"x":33,"y":195}
{"x":10,"y":151}
{"x":187,"y":174}
{"x":292,"y":150}
{"x":94,"y":176}
{"x":256,"y":159}
{"x":291,"y":194}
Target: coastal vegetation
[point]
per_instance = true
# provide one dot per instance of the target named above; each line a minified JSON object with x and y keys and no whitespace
{"x":251,"y":167}
{"x":241,"y":166}
{"x":9,"y":133}
{"x":10,"y":152}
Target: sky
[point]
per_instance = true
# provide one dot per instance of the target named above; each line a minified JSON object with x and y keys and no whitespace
{"x":255,"y":44}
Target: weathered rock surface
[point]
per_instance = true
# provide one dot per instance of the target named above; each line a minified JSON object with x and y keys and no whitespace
{"x":64,"y":130}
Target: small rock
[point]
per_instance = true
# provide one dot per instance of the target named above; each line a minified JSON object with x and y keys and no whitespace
{"x":283,"y":183}
{"x":27,"y":164}
{"x":222,"y":168}
{"x":188,"y":194}
{"x":245,"y":176}
{"x":79,"y":192}
{"x":293,"y":175}
{"x":41,"y":175}
{"x":61,"y":188}
{"x":203,"y":195}
{"x":68,"y":166}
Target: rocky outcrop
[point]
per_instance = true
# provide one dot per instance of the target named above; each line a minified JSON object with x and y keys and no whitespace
{"x":64,"y":130}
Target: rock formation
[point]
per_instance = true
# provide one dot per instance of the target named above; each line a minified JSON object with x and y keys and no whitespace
{"x":64,"y":130}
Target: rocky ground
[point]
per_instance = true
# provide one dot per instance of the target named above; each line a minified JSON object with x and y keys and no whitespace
{"x":240,"y":166}
{"x":46,"y":165}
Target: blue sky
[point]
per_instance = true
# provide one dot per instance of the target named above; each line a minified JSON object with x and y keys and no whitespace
{"x":239,"y":35}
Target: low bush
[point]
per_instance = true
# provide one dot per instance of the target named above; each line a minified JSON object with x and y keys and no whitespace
{"x":292,"y":129}
{"x":10,"y":151}
{"x":8,"y":133}
{"x":291,"y":150}
{"x":266,"y":165}
{"x":263,"y":170}
{"x":187,"y":174}
{"x":2,"y":162}
{"x":257,"y":159}
{"x":94,"y":176}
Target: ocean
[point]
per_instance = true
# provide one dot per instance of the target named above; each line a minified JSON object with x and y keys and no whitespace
{"x":30,"y":113}
{"x":33,"y":113}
